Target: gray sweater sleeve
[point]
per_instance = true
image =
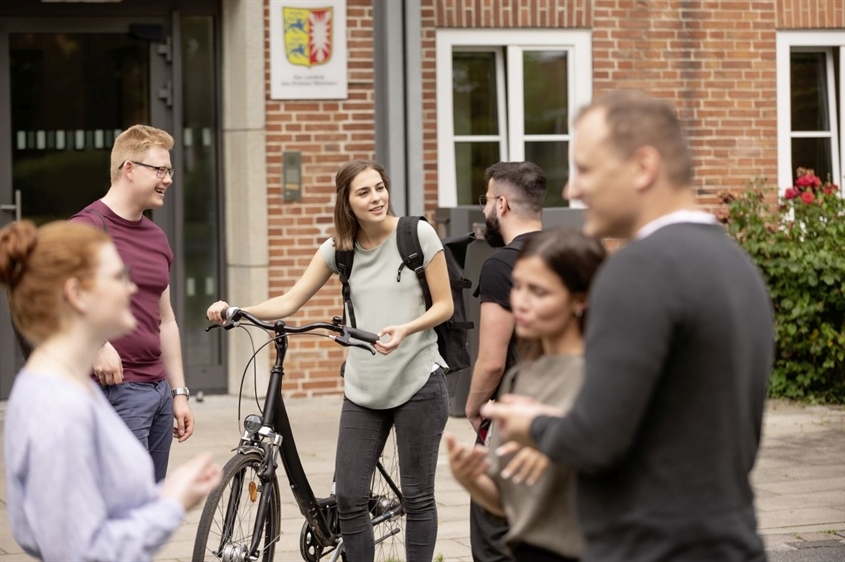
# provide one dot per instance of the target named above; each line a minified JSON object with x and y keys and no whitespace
{"x":628,"y":335}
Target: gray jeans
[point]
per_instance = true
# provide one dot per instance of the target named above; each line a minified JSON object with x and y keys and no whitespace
{"x":419,"y":426}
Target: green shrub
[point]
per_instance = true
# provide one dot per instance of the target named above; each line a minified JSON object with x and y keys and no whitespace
{"x":800,"y":247}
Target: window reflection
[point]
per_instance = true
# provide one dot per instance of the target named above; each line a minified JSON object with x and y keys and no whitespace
{"x":71,"y":94}
{"x":546,"y":101}
{"x":474,"y":93}
{"x":201,"y":218}
{"x":471,"y":160}
{"x":553,"y":158}
{"x":808,"y":77}
{"x":816,"y":154}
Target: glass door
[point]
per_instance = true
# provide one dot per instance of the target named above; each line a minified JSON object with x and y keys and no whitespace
{"x":67,"y":88}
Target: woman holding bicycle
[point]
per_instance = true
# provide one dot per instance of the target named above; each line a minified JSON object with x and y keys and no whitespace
{"x":403,"y":387}
{"x":80,"y":485}
{"x":549,"y":300}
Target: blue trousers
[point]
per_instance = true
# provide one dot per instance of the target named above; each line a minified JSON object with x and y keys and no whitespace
{"x":363,"y":432}
{"x":147,"y":410}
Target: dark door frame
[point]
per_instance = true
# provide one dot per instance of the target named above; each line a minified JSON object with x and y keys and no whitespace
{"x":162,"y":114}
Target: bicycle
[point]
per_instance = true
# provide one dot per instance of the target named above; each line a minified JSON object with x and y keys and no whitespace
{"x":241,"y":519}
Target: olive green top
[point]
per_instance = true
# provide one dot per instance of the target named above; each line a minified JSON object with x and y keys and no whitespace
{"x":542,"y":515}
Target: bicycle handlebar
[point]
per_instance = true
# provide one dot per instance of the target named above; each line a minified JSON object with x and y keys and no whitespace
{"x":233,"y":315}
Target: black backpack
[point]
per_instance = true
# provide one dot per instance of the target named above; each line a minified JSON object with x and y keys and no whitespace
{"x":451,"y":334}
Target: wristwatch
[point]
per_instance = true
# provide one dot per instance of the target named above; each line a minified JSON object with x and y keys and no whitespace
{"x":181,"y":391}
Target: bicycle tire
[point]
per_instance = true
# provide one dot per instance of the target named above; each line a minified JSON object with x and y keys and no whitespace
{"x":241,"y":473}
{"x":389,"y":534}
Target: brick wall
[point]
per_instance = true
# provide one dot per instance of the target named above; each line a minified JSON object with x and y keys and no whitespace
{"x":328,"y":134}
{"x":715,"y":59}
{"x":510,"y":13}
{"x":810,"y":14}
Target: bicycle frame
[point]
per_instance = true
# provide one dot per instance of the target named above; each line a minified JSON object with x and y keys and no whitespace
{"x":276,"y":420}
{"x":275,"y":437}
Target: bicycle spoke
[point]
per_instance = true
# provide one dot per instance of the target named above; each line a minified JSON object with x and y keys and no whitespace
{"x":387,"y":509}
{"x":228,"y":521}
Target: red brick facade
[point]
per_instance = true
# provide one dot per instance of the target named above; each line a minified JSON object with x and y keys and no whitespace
{"x":714,"y":59}
{"x":328,"y":134}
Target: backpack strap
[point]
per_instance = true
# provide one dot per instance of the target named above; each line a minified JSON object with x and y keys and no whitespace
{"x":102,"y":218}
{"x":343,"y":259}
{"x":408,"y":240}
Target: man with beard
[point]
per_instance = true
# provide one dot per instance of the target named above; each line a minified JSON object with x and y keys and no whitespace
{"x":513,"y":209}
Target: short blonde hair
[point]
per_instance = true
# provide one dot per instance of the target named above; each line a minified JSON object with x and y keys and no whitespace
{"x":134,"y":143}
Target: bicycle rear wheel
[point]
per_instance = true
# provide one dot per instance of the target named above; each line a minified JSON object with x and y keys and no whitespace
{"x":387,"y":506}
{"x":228,"y":518}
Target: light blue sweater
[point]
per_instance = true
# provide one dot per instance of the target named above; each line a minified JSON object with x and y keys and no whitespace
{"x":80,"y":485}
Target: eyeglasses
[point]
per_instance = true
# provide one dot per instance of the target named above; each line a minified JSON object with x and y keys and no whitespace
{"x":484,"y":199}
{"x":160,"y":170}
{"x":125,"y":275}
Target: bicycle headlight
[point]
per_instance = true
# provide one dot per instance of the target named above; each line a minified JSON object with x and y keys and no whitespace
{"x":252,"y":423}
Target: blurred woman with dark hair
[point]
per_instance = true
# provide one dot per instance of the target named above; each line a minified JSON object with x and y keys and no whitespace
{"x":551,"y":278}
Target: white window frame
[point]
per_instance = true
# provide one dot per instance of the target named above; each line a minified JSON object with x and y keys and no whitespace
{"x":809,"y":41}
{"x":511,"y":44}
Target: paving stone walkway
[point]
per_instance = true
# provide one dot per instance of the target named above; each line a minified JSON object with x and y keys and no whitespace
{"x":799,"y":478}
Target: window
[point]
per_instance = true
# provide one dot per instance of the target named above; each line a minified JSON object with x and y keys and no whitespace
{"x":810,"y":102}
{"x":507,"y":101}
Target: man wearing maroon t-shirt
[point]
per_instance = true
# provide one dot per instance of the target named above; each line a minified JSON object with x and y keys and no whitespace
{"x":141,"y":373}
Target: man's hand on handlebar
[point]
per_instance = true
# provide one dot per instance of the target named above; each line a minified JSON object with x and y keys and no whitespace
{"x":215,"y":312}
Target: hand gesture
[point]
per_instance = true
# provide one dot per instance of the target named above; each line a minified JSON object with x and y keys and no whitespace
{"x":396,"y":335}
{"x":514,"y":414}
{"x":108,"y":367}
{"x":215,"y":312}
{"x":467,"y":464}
{"x":527,"y":465}
{"x":191,"y":482}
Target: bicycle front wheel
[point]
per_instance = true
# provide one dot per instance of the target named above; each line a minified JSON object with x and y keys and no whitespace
{"x":227,"y":524}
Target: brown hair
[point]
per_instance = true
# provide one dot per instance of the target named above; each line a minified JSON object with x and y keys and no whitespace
{"x":635,"y":120}
{"x":345,"y":223}
{"x":134,"y":143}
{"x":573,"y":257}
{"x":34,"y":265}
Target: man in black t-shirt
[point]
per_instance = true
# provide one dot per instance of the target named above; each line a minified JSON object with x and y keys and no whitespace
{"x":513,"y":208}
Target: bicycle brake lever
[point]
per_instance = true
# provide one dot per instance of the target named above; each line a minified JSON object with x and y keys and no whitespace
{"x":364,"y":346}
{"x":226,"y":326}
{"x":344,"y":341}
